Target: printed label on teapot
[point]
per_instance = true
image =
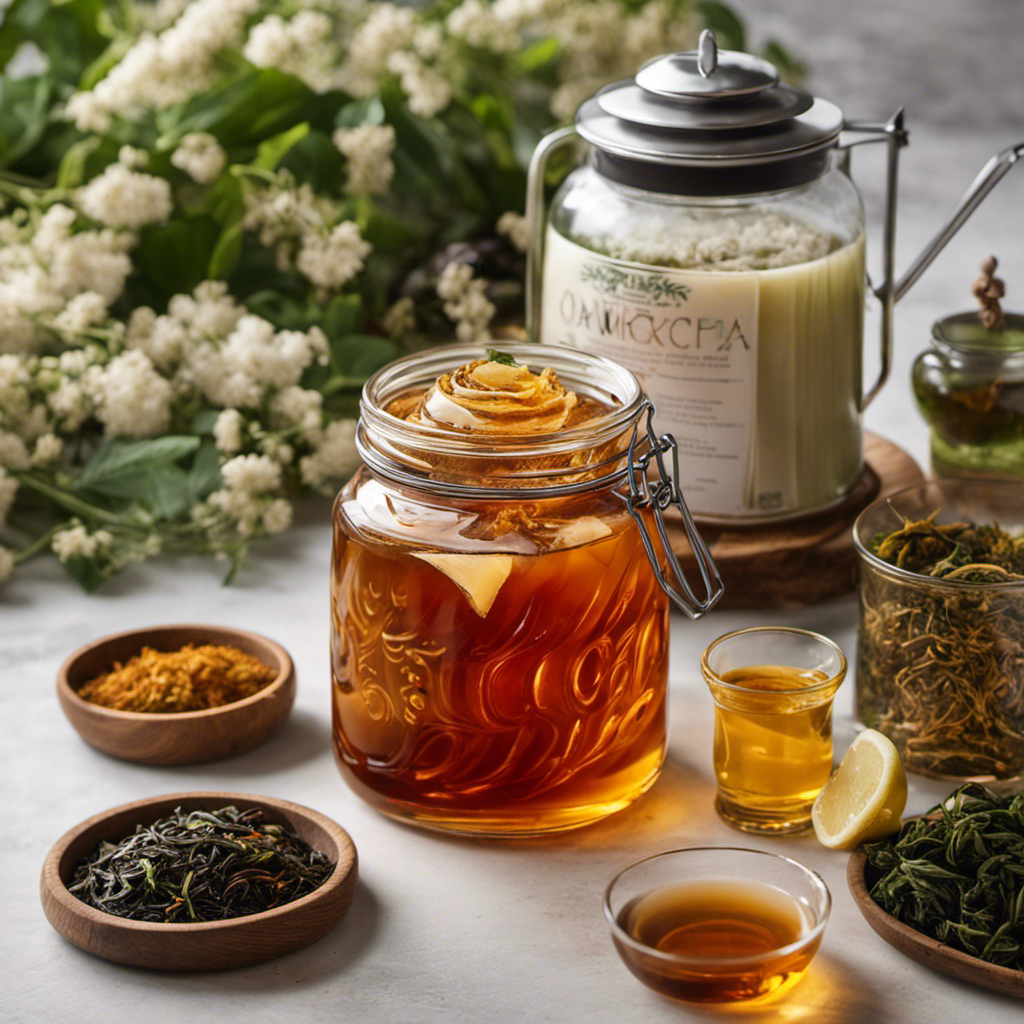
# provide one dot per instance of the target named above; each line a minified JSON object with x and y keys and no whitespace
{"x":691,"y":339}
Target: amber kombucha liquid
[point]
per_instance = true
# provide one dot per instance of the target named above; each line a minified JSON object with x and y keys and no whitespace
{"x":726,"y":939}
{"x":544,"y":714}
{"x":773,"y":750}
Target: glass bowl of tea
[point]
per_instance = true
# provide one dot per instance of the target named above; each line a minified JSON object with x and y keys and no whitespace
{"x":717,"y":924}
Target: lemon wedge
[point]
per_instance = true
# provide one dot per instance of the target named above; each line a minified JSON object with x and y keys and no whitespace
{"x":865,"y":797}
{"x":479,"y":577}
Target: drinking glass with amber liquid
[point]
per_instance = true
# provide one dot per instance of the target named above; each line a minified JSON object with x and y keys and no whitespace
{"x":499,"y":645}
{"x":773,"y":689}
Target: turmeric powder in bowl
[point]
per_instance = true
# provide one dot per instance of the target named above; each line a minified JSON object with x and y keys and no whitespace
{"x":189,"y":679}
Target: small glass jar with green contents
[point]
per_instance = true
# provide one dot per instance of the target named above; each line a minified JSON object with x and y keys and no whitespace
{"x":970,"y":388}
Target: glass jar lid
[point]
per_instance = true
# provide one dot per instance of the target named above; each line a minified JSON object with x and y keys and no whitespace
{"x":965,"y":334}
{"x":709,"y":122}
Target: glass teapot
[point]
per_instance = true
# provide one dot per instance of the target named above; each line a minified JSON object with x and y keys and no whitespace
{"x":713,"y":242}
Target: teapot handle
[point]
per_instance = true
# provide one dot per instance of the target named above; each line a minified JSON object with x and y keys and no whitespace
{"x":895,"y":136}
{"x":536,"y":219}
{"x":988,"y":177}
{"x":890,"y":291}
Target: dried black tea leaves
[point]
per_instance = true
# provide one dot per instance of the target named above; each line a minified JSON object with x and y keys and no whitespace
{"x":200,"y":866}
{"x":957,"y":874}
{"x":941,"y":658}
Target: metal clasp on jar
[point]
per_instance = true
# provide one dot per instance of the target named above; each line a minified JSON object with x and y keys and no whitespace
{"x":658,"y":495}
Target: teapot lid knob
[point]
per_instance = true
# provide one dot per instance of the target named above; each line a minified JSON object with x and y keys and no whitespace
{"x":707,"y":74}
{"x":707,"y":53}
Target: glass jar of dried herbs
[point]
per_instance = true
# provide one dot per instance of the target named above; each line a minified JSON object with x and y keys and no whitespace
{"x":940,"y":649}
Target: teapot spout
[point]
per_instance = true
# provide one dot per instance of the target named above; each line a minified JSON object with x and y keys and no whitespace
{"x":989,"y":176}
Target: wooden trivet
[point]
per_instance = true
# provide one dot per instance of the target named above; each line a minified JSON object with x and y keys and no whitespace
{"x":803,"y":561}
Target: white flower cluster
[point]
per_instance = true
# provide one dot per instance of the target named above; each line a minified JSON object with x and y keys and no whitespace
{"x":207,"y":342}
{"x":164,"y":69}
{"x":297,"y":225}
{"x":248,"y":500}
{"x":516,"y":228}
{"x":123,"y":198}
{"x":329,"y":260}
{"x":604,"y":41}
{"x":334,"y":457}
{"x":387,"y":30}
{"x":200,"y":156}
{"x":56,"y":279}
{"x":483,"y":25}
{"x":130,"y":398}
{"x":428,"y":92}
{"x":368,"y":150}
{"x":41,"y":396}
{"x":305,"y":46}
{"x":78,"y":542}
{"x":465,"y":302}
{"x":400,"y":319}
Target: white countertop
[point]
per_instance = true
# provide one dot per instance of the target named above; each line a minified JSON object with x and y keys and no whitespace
{"x":448,"y":930}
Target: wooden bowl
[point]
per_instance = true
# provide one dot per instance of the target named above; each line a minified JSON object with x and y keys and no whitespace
{"x":923,"y":948}
{"x":211,"y":945}
{"x":185,"y":737}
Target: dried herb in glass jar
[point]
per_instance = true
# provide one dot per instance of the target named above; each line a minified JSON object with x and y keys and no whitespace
{"x":940,"y":667}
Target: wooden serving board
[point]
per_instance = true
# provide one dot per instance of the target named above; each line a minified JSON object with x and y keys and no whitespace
{"x":803,"y":561}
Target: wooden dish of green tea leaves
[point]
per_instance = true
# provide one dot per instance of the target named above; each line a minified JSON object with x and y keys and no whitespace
{"x":200,"y":945}
{"x":930,"y":872}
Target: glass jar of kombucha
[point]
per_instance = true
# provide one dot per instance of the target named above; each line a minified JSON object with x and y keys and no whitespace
{"x":499,"y":632}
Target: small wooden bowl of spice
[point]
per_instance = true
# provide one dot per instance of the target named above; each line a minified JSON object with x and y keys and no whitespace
{"x":177,"y":694}
{"x":199,"y":881}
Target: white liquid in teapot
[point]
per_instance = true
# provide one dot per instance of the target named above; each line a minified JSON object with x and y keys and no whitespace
{"x":745,"y":332}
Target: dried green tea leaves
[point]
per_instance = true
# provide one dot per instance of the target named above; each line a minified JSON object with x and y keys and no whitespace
{"x":953,"y":551}
{"x":200,"y":866}
{"x":940,"y":665}
{"x":959,"y":877}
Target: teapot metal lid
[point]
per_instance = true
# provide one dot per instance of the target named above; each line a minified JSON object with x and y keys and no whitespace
{"x":709,"y":122}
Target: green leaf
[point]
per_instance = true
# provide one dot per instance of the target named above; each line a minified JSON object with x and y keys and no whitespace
{"x":101,"y":66}
{"x":284,"y":312}
{"x":67,"y":31}
{"x":368,"y":111}
{"x":270,"y":153}
{"x":175,"y":257}
{"x":203,"y":421}
{"x":204,"y":476}
{"x":71,"y":172}
{"x":316,"y":161}
{"x":342,"y":316}
{"x":119,"y":457}
{"x":539,"y":55}
{"x":356,"y":357}
{"x":243,"y":112}
{"x":497,"y":356}
{"x":227,"y":252}
{"x":789,"y":67}
{"x":725,"y":23}
{"x":85,"y":570}
{"x":24,"y":114}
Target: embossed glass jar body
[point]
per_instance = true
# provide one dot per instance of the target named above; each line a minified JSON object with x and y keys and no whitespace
{"x":499,"y":637}
{"x":742,"y":316}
